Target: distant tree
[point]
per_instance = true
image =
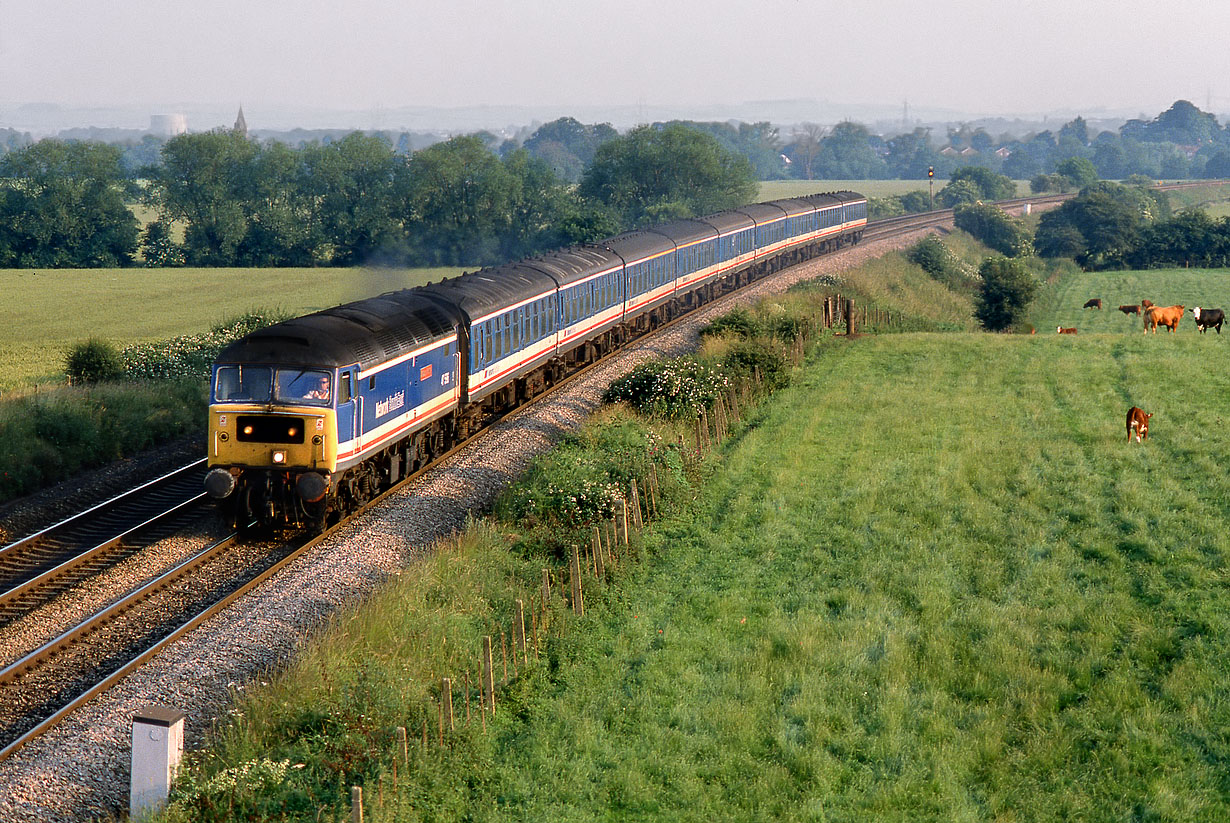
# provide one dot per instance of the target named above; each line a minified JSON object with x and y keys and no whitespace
{"x":846,"y":154}
{"x":911,"y":154}
{"x":1079,"y":170}
{"x":804,"y":147}
{"x":204,"y":183}
{"x":567,"y":145}
{"x":675,"y":170}
{"x":994,"y":228}
{"x":1109,"y":219}
{"x":1077,"y":129}
{"x":991,"y":186}
{"x":62,"y":205}
{"x":158,"y":246}
{"x":1007,"y":290}
{"x":353,"y":186}
{"x":1218,"y":166}
{"x":959,"y":192}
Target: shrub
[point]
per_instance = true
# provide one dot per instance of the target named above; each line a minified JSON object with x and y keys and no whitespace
{"x":937,"y":260}
{"x":991,"y":225}
{"x":1007,"y":290}
{"x":738,"y":322}
{"x":672,"y":388}
{"x":93,"y":361}
{"x":191,"y":355}
{"x":745,"y":358}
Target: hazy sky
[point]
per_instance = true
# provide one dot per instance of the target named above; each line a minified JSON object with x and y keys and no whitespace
{"x":974,"y":56}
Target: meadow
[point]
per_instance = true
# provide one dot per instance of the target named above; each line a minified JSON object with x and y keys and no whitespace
{"x":1060,"y":303}
{"x":930,"y":581}
{"x":51,"y":310}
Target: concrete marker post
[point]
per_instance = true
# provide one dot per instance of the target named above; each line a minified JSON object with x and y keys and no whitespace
{"x":157,"y":748}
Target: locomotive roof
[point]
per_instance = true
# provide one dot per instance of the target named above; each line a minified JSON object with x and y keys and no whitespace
{"x":482,"y":292}
{"x":366,"y":332}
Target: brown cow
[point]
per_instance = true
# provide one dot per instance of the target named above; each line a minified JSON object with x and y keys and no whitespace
{"x":1145,"y":305}
{"x":1062,"y":330}
{"x":1130,"y":309}
{"x":1158,"y":316}
{"x":1138,"y":424}
{"x":1095,"y":303}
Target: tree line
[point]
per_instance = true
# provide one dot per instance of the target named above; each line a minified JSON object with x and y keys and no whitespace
{"x":238,"y":202}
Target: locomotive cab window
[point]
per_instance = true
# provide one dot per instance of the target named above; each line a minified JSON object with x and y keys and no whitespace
{"x":242,"y":384}
{"x":310,"y":386}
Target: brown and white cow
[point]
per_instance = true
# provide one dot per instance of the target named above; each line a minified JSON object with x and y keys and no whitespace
{"x":1208,"y":318}
{"x":1094,"y":303}
{"x":1158,"y":316}
{"x":1130,"y":309}
{"x":1138,"y":424}
{"x":1062,"y":330}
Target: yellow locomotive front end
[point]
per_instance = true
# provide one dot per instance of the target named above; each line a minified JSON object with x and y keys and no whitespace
{"x":272,"y":443}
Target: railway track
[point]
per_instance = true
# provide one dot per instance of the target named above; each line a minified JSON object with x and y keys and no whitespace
{"x":43,"y":565}
{"x":45,"y":685}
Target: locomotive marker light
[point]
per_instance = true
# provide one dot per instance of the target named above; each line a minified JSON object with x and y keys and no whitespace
{"x":279,"y":457}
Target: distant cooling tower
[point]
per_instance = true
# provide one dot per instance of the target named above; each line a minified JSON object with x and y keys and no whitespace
{"x":168,"y":125}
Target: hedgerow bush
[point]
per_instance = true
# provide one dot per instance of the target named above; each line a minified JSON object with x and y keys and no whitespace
{"x":585,"y":479}
{"x":934,"y":257}
{"x":683,"y":387}
{"x":747,"y":359}
{"x":93,"y":361}
{"x":191,"y":355}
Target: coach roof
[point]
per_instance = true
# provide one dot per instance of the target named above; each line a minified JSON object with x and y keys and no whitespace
{"x":483,"y":292}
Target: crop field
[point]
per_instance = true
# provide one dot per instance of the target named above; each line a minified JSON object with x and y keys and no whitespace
{"x":51,"y":310}
{"x":1061,"y":304}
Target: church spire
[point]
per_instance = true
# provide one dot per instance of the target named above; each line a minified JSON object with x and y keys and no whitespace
{"x":241,"y":125}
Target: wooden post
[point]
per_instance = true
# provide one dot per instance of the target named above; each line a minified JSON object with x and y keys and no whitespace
{"x":488,"y":677}
{"x":402,"y":745}
{"x":653,"y":489}
{"x":446,"y":694}
{"x":504,"y":656}
{"x":356,"y":804}
{"x":851,"y":326}
{"x":637,"y":519}
{"x":519,"y":632}
{"x":624,"y":505}
{"x":578,"y":604}
{"x":599,"y":564}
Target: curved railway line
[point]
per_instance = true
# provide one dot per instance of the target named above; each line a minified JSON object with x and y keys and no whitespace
{"x":46,"y":684}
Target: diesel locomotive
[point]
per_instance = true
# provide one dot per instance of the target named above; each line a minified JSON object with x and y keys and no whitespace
{"x":313,"y":417}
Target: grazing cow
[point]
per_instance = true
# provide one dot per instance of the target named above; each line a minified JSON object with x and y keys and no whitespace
{"x":1145,"y":305}
{"x":1168,"y":317}
{"x":1095,"y":303}
{"x":1208,"y":318}
{"x":1130,"y":309}
{"x":1138,"y":424}
{"x":1062,"y":330}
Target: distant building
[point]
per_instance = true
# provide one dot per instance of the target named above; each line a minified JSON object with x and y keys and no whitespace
{"x":241,"y":125}
{"x":168,"y":125}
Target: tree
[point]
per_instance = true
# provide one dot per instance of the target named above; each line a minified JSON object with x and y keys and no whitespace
{"x":959,"y":192}
{"x":676,"y":170}
{"x":994,"y":228}
{"x":1109,"y":219}
{"x":991,"y":186}
{"x":1079,"y":170}
{"x":568,"y":146}
{"x":62,"y":205}
{"x":353,"y":185}
{"x":203,"y":183}
{"x":804,"y":148}
{"x":1007,"y":290}
{"x":846,"y":154}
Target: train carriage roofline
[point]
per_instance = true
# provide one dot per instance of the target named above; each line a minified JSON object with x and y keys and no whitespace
{"x":492,"y":291}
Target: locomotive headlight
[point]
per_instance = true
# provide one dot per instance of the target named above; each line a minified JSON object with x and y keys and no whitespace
{"x":279,"y":457}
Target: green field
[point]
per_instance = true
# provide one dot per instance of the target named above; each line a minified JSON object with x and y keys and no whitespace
{"x":50,"y":310}
{"x":931,"y":582}
{"x":1061,"y":304}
